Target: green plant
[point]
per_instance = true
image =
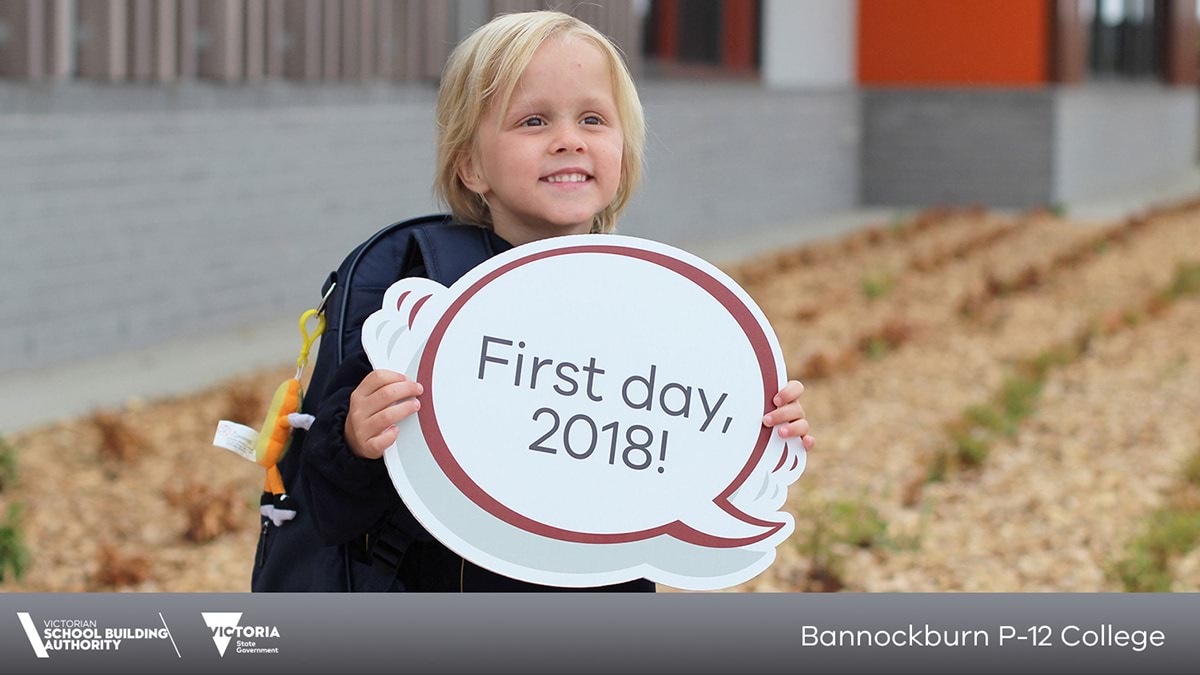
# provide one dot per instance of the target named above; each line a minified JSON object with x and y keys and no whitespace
{"x":1191,"y":470}
{"x":877,"y":284}
{"x":939,"y":466}
{"x":8,"y":464}
{"x":1019,"y":397}
{"x":1050,"y":358}
{"x":1186,"y":280}
{"x":988,"y":417}
{"x":1140,"y":572}
{"x":877,"y":347}
{"x":836,"y":525}
{"x":14,"y":555}
{"x":825,"y":568}
{"x":1170,"y":532}
{"x":970,"y":449}
{"x":856,"y":523}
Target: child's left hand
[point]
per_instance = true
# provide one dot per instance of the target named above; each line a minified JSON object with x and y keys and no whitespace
{"x":788,"y":415}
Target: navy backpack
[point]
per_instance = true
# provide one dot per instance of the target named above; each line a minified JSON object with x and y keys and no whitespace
{"x":291,"y":557}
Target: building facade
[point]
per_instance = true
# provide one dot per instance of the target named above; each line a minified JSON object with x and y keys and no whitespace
{"x":175,"y":166}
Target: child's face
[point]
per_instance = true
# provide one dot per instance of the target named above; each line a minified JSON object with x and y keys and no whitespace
{"x":552,"y":161}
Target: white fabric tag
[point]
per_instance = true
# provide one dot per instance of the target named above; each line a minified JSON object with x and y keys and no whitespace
{"x":237,"y":438}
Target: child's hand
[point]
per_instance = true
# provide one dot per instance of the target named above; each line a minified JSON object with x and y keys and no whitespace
{"x":381,"y":400}
{"x":789,"y":416}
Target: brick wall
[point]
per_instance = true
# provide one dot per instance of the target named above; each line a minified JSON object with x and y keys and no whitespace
{"x":993,"y":147}
{"x":129,"y":215}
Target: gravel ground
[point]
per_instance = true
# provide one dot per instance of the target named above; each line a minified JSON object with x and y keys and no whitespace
{"x":152,"y":506}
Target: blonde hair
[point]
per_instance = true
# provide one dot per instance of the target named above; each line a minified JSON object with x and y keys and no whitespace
{"x":483,"y":71}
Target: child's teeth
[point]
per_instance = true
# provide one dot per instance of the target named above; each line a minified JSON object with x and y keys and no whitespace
{"x":567,"y":178}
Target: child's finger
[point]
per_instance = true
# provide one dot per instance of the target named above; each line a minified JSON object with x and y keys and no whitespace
{"x":788,"y":413}
{"x":809,"y":442}
{"x":388,"y":395}
{"x":790,"y":392}
{"x":377,"y":379}
{"x":382,"y":420}
{"x":794,"y":429}
{"x":380,"y":443}
{"x":371,"y":384}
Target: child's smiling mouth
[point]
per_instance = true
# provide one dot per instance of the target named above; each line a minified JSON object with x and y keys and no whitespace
{"x":571,"y":176}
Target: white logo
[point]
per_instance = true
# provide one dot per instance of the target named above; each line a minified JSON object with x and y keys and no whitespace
{"x":217,"y":621}
{"x":225,"y":626}
{"x":73,"y":635}
{"x":31,"y":632}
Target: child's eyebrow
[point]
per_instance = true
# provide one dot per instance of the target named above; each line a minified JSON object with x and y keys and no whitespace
{"x":524,"y":106}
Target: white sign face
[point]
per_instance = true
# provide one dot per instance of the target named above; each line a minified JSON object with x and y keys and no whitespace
{"x":592,"y":413}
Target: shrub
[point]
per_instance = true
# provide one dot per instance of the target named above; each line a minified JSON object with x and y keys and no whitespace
{"x":14,"y":556}
{"x":1186,"y":280}
{"x":1170,"y":532}
{"x":8,"y":464}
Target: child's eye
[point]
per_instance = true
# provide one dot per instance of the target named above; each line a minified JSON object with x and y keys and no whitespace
{"x":593,"y":119}
{"x":533,"y":122}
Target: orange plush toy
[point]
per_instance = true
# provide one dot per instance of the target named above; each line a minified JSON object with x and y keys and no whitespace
{"x":275,"y":437}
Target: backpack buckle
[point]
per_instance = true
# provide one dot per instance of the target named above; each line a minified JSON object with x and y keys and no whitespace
{"x":386,"y":551}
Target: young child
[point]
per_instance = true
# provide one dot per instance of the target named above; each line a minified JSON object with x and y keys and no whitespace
{"x":540,"y":134}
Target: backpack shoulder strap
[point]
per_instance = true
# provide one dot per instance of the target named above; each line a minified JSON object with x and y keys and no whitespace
{"x":450,"y":251}
{"x":447,"y":251}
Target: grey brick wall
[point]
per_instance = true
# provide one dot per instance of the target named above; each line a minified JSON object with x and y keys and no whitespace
{"x":126,"y":227}
{"x":133,"y":215}
{"x":1023,"y":147}
{"x":993,"y":147}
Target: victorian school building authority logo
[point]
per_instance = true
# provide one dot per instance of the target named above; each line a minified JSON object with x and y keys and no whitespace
{"x":87,"y":635}
{"x":226,"y":626}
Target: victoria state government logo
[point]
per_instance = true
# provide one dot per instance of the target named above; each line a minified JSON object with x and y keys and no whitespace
{"x":226,"y":627}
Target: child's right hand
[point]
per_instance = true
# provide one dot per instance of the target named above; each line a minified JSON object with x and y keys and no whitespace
{"x":381,"y":400}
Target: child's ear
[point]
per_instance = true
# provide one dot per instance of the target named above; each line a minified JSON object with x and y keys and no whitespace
{"x":471,"y":178}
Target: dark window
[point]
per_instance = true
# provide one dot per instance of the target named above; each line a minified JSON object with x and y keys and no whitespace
{"x":703,"y":36}
{"x":1127,"y":39}
{"x":700,"y":32}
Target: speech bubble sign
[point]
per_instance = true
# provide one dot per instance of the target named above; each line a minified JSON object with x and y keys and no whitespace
{"x":592,"y":413}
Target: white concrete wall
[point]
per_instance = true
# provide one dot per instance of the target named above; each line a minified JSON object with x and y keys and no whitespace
{"x":1121,"y":136}
{"x":809,"y":43}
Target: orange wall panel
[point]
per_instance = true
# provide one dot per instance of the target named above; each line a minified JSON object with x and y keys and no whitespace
{"x":952,"y":42}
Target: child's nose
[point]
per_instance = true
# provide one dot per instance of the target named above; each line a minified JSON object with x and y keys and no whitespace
{"x":569,"y":141}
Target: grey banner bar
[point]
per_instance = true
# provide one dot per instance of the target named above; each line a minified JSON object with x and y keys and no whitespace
{"x":579,"y":633}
